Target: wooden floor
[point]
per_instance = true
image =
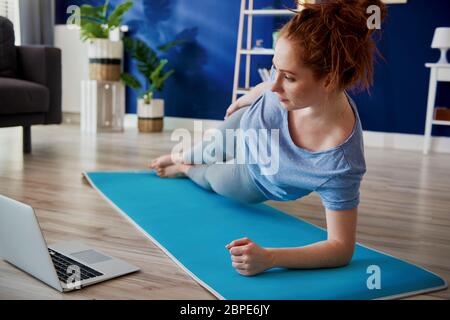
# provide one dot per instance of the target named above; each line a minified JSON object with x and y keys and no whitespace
{"x":404,"y":211}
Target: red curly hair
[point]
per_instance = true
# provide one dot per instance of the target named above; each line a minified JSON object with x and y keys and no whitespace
{"x":335,"y":40}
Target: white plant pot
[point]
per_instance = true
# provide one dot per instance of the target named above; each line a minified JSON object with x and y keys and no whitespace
{"x":153,"y":110}
{"x":150,"y":116}
{"x":105,"y":49}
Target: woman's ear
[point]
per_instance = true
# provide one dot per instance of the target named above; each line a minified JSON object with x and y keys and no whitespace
{"x":327,"y":83}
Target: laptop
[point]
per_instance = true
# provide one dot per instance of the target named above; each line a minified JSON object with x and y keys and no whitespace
{"x":64,"y":266}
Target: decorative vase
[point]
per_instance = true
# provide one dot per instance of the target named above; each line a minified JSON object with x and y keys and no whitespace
{"x":150,"y":116}
{"x":105,"y":59}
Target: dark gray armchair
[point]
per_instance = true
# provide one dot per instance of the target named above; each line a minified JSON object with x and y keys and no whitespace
{"x":30,"y":84}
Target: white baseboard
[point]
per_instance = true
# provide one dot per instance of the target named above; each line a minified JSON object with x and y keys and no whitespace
{"x":172,"y":123}
{"x":399,"y":141}
{"x":402,"y":141}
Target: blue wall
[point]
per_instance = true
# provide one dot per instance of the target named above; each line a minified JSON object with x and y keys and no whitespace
{"x":399,"y":96}
{"x":202,"y":84}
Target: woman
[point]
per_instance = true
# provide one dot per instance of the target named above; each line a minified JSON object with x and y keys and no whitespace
{"x":322,"y":51}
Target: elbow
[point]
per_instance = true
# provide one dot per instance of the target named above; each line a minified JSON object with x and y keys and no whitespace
{"x":347,"y":254}
{"x":345,"y":261}
{"x":344,"y":253}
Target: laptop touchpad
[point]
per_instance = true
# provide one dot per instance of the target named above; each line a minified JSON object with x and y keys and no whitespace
{"x":90,"y":256}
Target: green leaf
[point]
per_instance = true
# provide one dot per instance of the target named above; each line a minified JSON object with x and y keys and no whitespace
{"x":130,"y":81}
{"x":115,"y":19}
{"x":91,"y":23}
{"x":167,"y":74}
{"x":94,"y":19}
{"x":157,"y":79}
{"x":91,"y":30}
{"x":146,"y":58}
{"x":146,"y":54}
{"x":145,"y":69}
{"x":159,"y":82}
{"x":149,"y":64}
{"x":156,"y":73}
{"x":140,"y":51}
{"x":170,"y":45}
{"x":105,"y":9}
{"x":88,"y":11}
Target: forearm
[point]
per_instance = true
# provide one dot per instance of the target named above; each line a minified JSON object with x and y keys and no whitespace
{"x":254,"y":93}
{"x":324,"y":254}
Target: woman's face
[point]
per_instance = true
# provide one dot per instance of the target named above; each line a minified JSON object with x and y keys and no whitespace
{"x":294,"y":83}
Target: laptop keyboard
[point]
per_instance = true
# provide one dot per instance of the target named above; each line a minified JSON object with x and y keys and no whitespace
{"x":62,"y":264}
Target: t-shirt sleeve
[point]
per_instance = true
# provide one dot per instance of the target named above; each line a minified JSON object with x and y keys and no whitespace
{"x":341,"y":192}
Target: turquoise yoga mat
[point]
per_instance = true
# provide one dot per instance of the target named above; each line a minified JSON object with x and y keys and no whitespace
{"x":193,"y":225}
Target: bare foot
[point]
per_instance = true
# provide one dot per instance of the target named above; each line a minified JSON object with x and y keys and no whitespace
{"x":164,"y":161}
{"x":173,"y":171}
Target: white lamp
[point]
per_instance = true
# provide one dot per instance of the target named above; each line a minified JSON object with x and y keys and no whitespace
{"x":441,"y":40}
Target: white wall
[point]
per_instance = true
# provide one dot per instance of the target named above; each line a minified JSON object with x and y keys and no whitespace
{"x":74,"y":66}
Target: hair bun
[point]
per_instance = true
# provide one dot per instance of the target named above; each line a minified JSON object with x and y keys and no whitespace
{"x":334,"y":38}
{"x":350,"y":16}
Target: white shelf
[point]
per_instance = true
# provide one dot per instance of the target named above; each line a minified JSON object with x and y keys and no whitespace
{"x":247,"y":51}
{"x":441,"y":122}
{"x":271,"y":12}
{"x":437,"y":65}
{"x":243,"y":91}
{"x":270,"y":52}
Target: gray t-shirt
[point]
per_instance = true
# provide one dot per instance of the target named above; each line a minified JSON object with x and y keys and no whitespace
{"x":335,"y":174}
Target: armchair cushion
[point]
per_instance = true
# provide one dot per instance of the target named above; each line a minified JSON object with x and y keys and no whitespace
{"x":42,"y":65}
{"x":19,"y":96}
{"x":8,"y":59}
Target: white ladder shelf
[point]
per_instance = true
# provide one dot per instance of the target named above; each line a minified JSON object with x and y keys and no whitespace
{"x":248,"y":11}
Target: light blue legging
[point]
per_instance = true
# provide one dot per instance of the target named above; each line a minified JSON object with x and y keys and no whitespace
{"x":227,"y":178}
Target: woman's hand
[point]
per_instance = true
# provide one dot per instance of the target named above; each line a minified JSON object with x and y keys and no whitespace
{"x":232,"y":108}
{"x":248,"y":98}
{"x":248,"y":258}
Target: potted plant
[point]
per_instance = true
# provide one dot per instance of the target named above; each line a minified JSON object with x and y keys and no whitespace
{"x":105,"y":50}
{"x":150,"y":111}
